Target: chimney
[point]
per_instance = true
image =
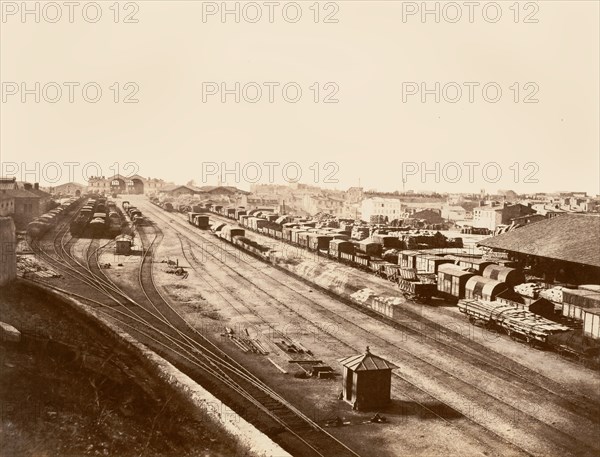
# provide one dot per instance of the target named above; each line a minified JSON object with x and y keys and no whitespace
{"x":36,"y":186}
{"x":27,"y":186}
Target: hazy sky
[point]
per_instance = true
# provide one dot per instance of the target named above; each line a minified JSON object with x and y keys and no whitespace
{"x":377,"y":55}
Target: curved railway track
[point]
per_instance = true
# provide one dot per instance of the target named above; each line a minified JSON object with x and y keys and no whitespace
{"x":150,"y":318}
{"x":560,"y":439}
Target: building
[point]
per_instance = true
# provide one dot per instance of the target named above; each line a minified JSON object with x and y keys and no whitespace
{"x":495,"y":214}
{"x":367,"y":381}
{"x":176,"y":190}
{"x":8,"y":183}
{"x":8,"y":243}
{"x":376,"y":207}
{"x":563,"y":248}
{"x":71,"y":189}
{"x":7,"y":204}
{"x":120,"y":184}
{"x":314,"y":204}
{"x":26,"y":206}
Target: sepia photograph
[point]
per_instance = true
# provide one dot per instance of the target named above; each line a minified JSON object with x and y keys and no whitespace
{"x":311,"y":228}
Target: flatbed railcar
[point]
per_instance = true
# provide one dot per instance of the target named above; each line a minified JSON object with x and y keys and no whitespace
{"x":518,"y":323}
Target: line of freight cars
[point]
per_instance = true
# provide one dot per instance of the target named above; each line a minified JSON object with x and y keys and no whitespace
{"x":417,"y":277}
{"x":40,"y":225}
{"x":480,"y":281}
{"x":98,"y":217}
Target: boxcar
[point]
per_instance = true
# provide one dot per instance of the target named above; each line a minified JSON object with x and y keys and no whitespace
{"x":362,"y":260}
{"x":201,"y":221}
{"x":430,"y":263}
{"x":452,"y":280}
{"x":369,"y":248}
{"x":317,"y":242}
{"x":408,"y":259}
{"x":191,"y":216}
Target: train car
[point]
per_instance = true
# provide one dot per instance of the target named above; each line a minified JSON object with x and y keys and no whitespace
{"x":98,"y":226}
{"x":452,"y":280}
{"x":37,"y":228}
{"x":369,"y":248}
{"x":239,"y":212}
{"x":216,"y":227}
{"x":517,"y":323}
{"x":114,"y":224}
{"x":429,"y":264}
{"x":318,"y":242}
{"x":302,"y":238}
{"x":510,"y":276}
{"x":478,"y":287}
{"x":408,"y":259}
{"x":362,"y":261}
{"x":229,"y":212}
{"x":337,"y":247}
{"x":476,"y":264}
{"x":229,"y":232}
{"x":191,"y":216}
{"x":202,"y":221}
{"x":387,"y":241}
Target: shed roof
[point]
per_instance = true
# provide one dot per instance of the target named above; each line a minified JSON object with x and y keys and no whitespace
{"x":366,"y":362}
{"x":569,"y":237}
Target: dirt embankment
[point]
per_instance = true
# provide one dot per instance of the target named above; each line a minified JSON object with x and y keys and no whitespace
{"x":69,"y":389}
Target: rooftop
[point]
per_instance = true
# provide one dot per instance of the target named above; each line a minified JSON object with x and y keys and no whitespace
{"x":570,"y":238}
{"x":366,"y":362}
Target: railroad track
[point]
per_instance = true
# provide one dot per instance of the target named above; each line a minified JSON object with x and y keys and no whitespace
{"x":474,"y":351}
{"x":560,"y":438}
{"x":154,"y":322}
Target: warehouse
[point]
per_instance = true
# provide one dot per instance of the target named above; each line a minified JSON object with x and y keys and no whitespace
{"x":562,"y":249}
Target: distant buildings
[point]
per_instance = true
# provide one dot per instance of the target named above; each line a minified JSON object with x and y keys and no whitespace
{"x":71,"y":189}
{"x":120,"y":184}
{"x":22,"y":201}
{"x":496,"y":214}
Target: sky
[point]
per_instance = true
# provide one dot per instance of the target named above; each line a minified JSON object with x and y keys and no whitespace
{"x":502,"y":97}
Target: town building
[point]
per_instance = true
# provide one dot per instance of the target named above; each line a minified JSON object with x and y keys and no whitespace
{"x":495,"y":214}
{"x":453,"y":213}
{"x":376,"y":207}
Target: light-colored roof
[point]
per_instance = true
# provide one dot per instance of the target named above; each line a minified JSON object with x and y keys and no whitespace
{"x":366,"y":362}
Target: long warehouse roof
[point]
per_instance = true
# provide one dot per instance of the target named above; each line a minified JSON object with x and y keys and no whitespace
{"x":569,"y":237}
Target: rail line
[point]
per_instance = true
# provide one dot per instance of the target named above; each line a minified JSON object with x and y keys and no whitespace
{"x":473,"y":351}
{"x":561,"y":437}
{"x":194,"y":348}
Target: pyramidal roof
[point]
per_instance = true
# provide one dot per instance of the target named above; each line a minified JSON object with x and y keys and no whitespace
{"x":366,"y":362}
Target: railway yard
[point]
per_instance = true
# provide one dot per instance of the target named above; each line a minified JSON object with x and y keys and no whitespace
{"x":262,"y":324}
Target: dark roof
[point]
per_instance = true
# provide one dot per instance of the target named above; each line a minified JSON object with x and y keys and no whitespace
{"x":366,"y":362}
{"x":570,"y":238}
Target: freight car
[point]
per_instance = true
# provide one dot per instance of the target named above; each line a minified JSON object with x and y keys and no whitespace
{"x":202,"y":222}
{"x":452,"y":280}
{"x":517,"y":323}
{"x":510,"y":276}
{"x":483,"y":288}
{"x":229,"y":232}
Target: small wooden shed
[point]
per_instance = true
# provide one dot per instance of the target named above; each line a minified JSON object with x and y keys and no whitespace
{"x":123,"y":245}
{"x":367,"y":381}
